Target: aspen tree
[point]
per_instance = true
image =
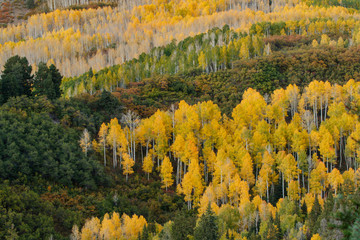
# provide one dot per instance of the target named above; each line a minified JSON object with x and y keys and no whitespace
{"x":335,"y":179}
{"x":317,"y":180}
{"x":113,"y":138}
{"x":127,"y":165}
{"x":166,"y":173}
{"x":246,"y":171}
{"x":103,"y":132}
{"x":148,"y":164}
{"x":85,"y":141}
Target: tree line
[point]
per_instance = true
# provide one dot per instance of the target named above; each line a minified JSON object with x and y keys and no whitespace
{"x":71,"y":40}
{"x":213,"y":51}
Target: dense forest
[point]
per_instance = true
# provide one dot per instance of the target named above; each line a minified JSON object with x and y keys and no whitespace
{"x":157,"y":119}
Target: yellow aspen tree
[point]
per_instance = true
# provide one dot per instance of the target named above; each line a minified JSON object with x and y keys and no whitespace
{"x":279,"y":105}
{"x":357,"y":177}
{"x":210,"y":159}
{"x":111,"y":227}
{"x":287,"y":165}
{"x":250,"y":111}
{"x":186,"y":188}
{"x":148,"y":164}
{"x":325,"y":40}
{"x":166,"y":173}
{"x":335,"y":179}
{"x":349,"y":178}
{"x":315,"y":43}
{"x":353,"y":146}
{"x":127,"y":165}
{"x":316,"y":237}
{"x":318,"y":178}
{"x":326,"y":146}
{"x":192,"y":185}
{"x":309,"y":199}
{"x":224,"y":170}
{"x":123,"y":144}
{"x":106,"y":227}
{"x":244,"y":49}
{"x":260,"y":185}
{"x":161,"y":130}
{"x":202,"y":60}
{"x":102,"y":135}
{"x":267,"y":49}
{"x":75,"y":233}
{"x":266,"y":175}
{"x":91,"y":229}
{"x":132,"y":226}
{"x":197,"y":181}
{"x":293,"y":94}
{"x":280,"y":136}
{"x":246,"y":171}
{"x":113,"y":138}
{"x":340,"y":42}
{"x":293,"y":190}
{"x":221,"y":191}
{"x":234,"y":190}
{"x":209,"y":115}
{"x":209,"y":196}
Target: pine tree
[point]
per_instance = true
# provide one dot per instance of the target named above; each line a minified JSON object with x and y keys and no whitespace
{"x":355,"y":230}
{"x":47,"y":81}
{"x":183,"y":225}
{"x":314,"y":223}
{"x":303,"y":210}
{"x":145,"y":234}
{"x":207,"y":227}
{"x":30,"y":4}
{"x":272,"y":230}
{"x":16,"y":79}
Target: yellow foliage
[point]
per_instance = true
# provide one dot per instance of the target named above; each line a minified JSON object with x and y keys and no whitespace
{"x":316,"y":237}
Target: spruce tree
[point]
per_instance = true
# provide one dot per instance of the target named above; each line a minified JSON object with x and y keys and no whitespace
{"x":207,"y":228}
{"x":145,"y":234}
{"x":277,"y":226}
{"x":303,"y":210}
{"x":355,"y":230}
{"x":16,"y":79}
{"x":47,"y":81}
{"x":184,"y":223}
{"x":314,"y":223}
{"x":30,"y":4}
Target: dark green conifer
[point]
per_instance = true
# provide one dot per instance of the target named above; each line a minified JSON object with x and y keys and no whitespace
{"x":207,"y":228}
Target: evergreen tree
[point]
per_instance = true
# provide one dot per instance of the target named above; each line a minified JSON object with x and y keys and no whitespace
{"x":277,"y":226}
{"x":145,"y":234}
{"x":207,"y":228}
{"x":348,"y":213}
{"x":328,"y":206}
{"x":304,"y":210}
{"x":227,"y":234}
{"x":16,"y":79}
{"x":30,"y":4}
{"x":183,"y":226}
{"x":272,"y":230}
{"x":355,"y":230}
{"x":47,"y":81}
{"x":314,"y":224}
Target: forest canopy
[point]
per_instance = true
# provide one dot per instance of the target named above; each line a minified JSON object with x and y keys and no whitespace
{"x":181,"y":119}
